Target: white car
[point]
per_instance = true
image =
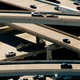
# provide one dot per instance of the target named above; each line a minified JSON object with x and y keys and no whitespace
{"x":36,"y":14}
{"x":10,"y":54}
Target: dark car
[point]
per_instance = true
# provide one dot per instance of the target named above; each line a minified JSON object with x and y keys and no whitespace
{"x":78,"y":8}
{"x":66,"y":40}
{"x":33,"y":6}
{"x":66,"y":66}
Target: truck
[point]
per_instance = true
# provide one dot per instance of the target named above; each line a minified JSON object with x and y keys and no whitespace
{"x":67,"y":10}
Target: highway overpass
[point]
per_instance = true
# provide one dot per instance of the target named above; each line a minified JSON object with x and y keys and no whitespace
{"x":28,"y":18}
{"x":17,"y":68}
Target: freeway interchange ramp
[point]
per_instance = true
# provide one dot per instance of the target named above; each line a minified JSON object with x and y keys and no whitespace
{"x":49,"y":34}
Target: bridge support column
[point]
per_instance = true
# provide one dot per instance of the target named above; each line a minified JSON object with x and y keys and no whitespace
{"x":49,"y":53}
{"x":39,"y":40}
{"x":49,"y":49}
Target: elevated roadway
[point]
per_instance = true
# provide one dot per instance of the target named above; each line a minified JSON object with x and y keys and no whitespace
{"x":6,"y":43}
{"x":28,"y":18}
{"x":5,"y":29}
{"x":27,"y":68}
{"x":41,"y":6}
{"x":42,"y":31}
{"x":49,"y":34}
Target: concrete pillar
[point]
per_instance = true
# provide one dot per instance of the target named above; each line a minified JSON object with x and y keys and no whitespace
{"x":49,"y":53}
{"x":39,"y":40}
{"x":49,"y":49}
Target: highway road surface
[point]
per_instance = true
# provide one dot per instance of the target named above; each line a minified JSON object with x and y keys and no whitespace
{"x":28,"y":18}
{"x":45,"y":33}
{"x":37,"y":69}
{"x":49,"y":34}
{"x":40,"y":6}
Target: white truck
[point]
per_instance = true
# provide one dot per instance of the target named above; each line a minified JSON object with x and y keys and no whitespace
{"x":67,"y":10}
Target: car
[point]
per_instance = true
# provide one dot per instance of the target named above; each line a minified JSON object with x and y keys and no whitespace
{"x":33,"y":6}
{"x":51,"y":16}
{"x":78,"y":8}
{"x":66,"y":66}
{"x":38,"y":77}
{"x":37,"y":14}
{"x":10,"y":54}
{"x":25,"y":79}
{"x":66,"y":40}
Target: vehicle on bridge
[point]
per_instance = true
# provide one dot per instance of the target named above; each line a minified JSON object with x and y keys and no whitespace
{"x":67,"y":10}
{"x":10,"y":54}
{"x":37,"y":14}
